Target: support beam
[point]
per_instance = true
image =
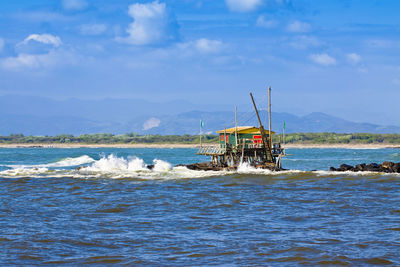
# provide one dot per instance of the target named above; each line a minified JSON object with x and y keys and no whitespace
{"x":266,"y":143}
{"x":236,"y":136}
{"x":269,"y":116}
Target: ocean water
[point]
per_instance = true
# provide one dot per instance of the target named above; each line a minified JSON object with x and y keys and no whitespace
{"x":115,"y":211}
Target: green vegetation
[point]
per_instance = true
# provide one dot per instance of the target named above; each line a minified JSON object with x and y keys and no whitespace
{"x":335,"y":138}
{"x":132,"y":138}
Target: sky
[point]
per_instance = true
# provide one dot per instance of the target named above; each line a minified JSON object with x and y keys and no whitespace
{"x":337,"y":57}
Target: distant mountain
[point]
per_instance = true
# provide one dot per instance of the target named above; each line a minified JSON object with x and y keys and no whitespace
{"x":44,"y":116}
{"x":108,"y":109}
{"x":53,"y":125}
{"x":189,"y":122}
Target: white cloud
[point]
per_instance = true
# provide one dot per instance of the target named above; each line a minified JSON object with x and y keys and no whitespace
{"x":1,"y":44}
{"x":203,"y":46}
{"x":150,"y":24}
{"x":298,"y":26}
{"x":304,"y":42}
{"x":243,"y":5}
{"x":323,"y":59}
{"x":151,"y":123}
{"x":22,"y":60}
{"x":208,"y":46}
{"x":353,"y":58}
{"x":30,"y":61}
{"x":38,"y":59}
{"x":93,"y":29}
{"x":262,"y":22}
{"x":40,"y":62}
{"x":74,"y":4}
{"x":44,"y":39}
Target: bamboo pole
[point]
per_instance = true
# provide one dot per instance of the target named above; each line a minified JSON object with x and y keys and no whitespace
{"x":284,"y":128}
{"x":225,"y":137}
{"x":244,"y":144}
{"x":200,"y":134}
{"x":269,"y":116}
{"x":236,"y":127}
{"x":266,"y":143}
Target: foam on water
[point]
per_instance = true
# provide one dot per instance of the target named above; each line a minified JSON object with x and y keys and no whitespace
{"x":117,"y":164}
{"x":115,"y":167}
{"x":23,"y":172}
{"x":67,"y":162}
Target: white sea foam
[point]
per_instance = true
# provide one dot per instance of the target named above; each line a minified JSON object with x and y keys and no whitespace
{"x":23,"y":172}
{"x":245,"y":167}
{"x":67,"y":162}
{"x":161,"y":166}
{"x":112,"y":163}
{"x":117,"y":167}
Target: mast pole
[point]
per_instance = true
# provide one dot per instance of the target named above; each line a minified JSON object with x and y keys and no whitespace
{"x":236,"y":137}
{"x":284,"y":126}
{"x":262,"y":131}
{"x":200,"y":132}
{"x":225,"y":137}
{"x":269,"y":114}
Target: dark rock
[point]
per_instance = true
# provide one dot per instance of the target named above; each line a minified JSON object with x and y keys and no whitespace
{"x":373,"y":167}
{"x":360,"y":167}
{"x":387,"y":166}
{"x":203,"y":166}
{"x":345,"y":167}
{"x":150,"y":167}
{"x":396,"y":167}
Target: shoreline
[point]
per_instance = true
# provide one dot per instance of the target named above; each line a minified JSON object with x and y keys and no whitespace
{"x":289,"y":146}
{"x":56,"y":145}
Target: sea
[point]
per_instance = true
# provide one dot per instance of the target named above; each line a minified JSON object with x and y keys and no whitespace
{"x":103,"y":206}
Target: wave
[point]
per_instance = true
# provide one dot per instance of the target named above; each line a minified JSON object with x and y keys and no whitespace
{"x":116,"y":164}
{"x":67,"y":162}
{"x":117,"y":168}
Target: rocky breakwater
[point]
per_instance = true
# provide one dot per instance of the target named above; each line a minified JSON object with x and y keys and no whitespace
{"x":205,"y":166}
{"x":387,"y":166}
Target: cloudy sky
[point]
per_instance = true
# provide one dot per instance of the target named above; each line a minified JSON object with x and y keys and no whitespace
{"x":338,"y":57}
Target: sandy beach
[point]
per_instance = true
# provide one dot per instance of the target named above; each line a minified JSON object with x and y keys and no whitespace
{"x":98,"y":145}
{"x":346,"y":146}
{"x":299,"y":145}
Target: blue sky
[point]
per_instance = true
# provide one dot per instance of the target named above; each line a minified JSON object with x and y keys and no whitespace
{"x":338,"y":57}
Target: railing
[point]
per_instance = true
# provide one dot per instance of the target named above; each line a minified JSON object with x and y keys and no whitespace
{"x":211,"y":150}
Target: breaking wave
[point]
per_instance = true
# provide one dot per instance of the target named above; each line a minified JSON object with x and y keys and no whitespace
{"x":67,"y":162}
{"x":133,"y":167}
{"x":116,"y":164}
{"x":106,"y":167}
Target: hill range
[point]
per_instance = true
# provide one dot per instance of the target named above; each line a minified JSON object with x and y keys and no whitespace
{"x":45,"y":116}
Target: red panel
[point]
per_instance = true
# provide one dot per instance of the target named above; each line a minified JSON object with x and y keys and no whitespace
{"x":222,"y":138}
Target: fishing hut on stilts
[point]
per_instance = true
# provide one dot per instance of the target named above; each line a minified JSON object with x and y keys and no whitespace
{"x":244,"y":144}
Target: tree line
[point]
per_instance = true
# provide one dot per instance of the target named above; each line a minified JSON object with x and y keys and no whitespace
{"x":106,"y":138}
{"x":133,"y":138}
